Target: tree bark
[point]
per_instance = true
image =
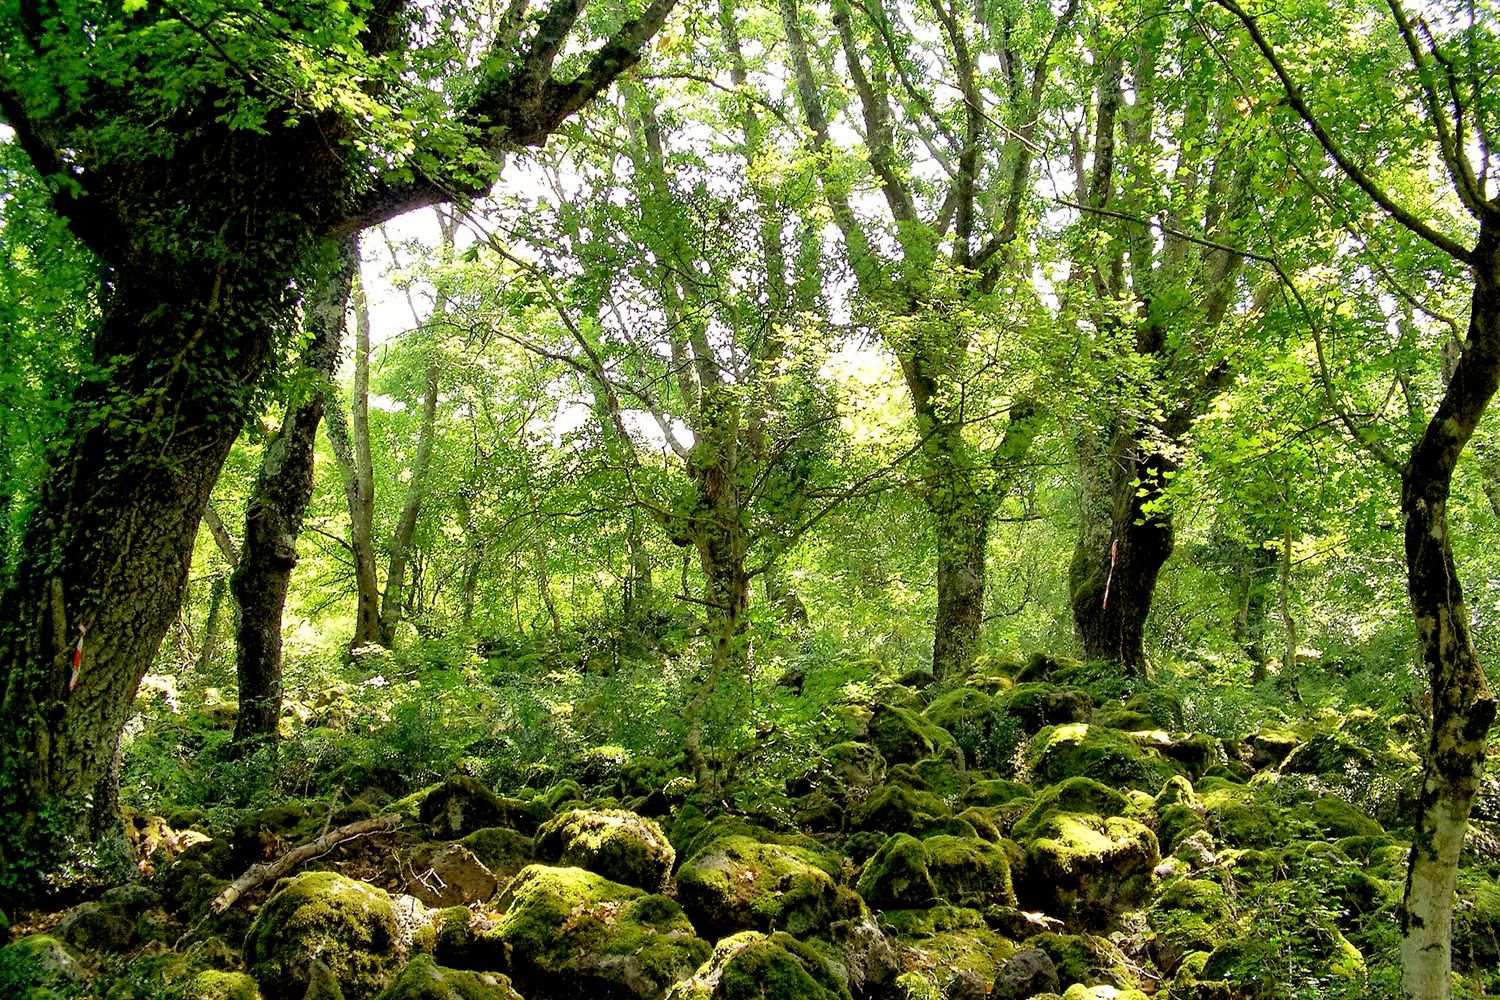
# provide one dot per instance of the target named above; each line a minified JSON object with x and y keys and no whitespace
{"x":1122,"y":545}
{"x":416,"y":492}
{"x":273,"y":514}
{"x":1463,"y":706}
{"x":351,"y":448}
{"x":204,"y":225}
{"x":963,"y":535}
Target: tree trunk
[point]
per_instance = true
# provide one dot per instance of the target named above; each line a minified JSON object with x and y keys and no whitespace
{"x":416,"y":492}
{"x":273,"y":515}
{"x":1122,"y":545}
{"x":1284,"y":601}
{"x":1463,"y":706}
{"x":209,"y":646}
{"x":639,"y":596}
{"x":351,"y":447}
{"x":962,"y":537}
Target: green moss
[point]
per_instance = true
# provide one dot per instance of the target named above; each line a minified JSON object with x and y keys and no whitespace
{"x":1075,"y":795}
{"x":940,"y":919}
{"x":1089,"y":868}
{"x":995,"y":792}
{"x":915,"y":986}
{"x":500,"y":849}
{"x":752,"y":966}
{"x":1161,"y":706}
{"x":211,"y":984}
{"x":982,"y":822}
{"x":1106,"y":755}
{"x":1237,"y":817}
{"x":38,"y":962}
{"x":895,"y":807}
{"x":907,"y":872}
{"x":737,"y":883}
{"x":1037,"y":705}
{"x":424,"y":979}
{"x":566,"y":790}
{"x":945,"y":940}
{"x":902,"y":736}
{"x":1476,"y":924}
{"x":619,"y":845}
{"x":1086,"y":959}
{"x":1337,"y":818}
{"x":941,"y":776}
{"x":1176,"y":822}
{"x":351,"y":926}
{"x":568,"y":925}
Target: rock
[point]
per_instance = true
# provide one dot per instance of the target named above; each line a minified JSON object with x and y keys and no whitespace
{"x":736,"y":883}
{"x":352,"y":927}
{"x":449,"y":875}
{"x":1036,"y":706}
{"x":1270,"y":747}
{"x":966,"y":984}
{"x":39,"y":963}
{"x":1106,"y":755}
{"x":908,"y":873}
{"x":1194,"y":915}
{"x":92,"y":927}
{"x":1196,"y":849}
{"x":461,"y":805}
{"x":500,"y":849}
{"x":1088,"y":869}
{"x":424,"y":979}
{"x":995,"y":792}
{"x":904,"y":737}
{"x":959,"y":707}
{"x":1075,"y":795}
{"x":213,"y":984}
{"x":1087,"y":960}
{"x":571,"y":933}
{"x":1027,"y":972}
{"x":1237,"y":817}
{"x":945,"y":941}
{"x":868,"y":959}
{"x":896,"y":808}
{"x":752,"y":966}
{"x":1338,"y":819}
{"x":619,"y":845}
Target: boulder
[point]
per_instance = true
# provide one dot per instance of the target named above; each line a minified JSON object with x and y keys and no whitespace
{"x":1026,"y":973}
{"x":1075,"y":795}
{"x":908,"y":873}
{"x":1036,"y":705}
{"x":1106,"y":755}
{"x":449,"y":875}
{"x":500,"y":849}
{"x":736,"y":883}
{"x":897,"y":808}
{"x":461,"y":805}
{"x":352,"y":927}
{"x":752,"y":966}
{"x":94,"y":927}
{"x":1087,"y":960}
{"x":1088,"y":869}
{"x":424,"y":979}
{"x":869,"y":963}
{"x":214,"y":984}
{"x":568,"y":933}
{"x":39,"y":963}
{"x":945,"y":942}
{"x":904,"y":737}
{"x":614,"y":843}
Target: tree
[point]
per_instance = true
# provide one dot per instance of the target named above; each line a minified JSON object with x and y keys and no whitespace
{"x":937,"y":272}
{"x":205,"y":155}
{"x":1439,"y":74}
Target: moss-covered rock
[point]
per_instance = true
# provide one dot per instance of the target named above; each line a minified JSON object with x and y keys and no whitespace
{"x":1036,"y":705}
{"x":1338,"y":819}
{"x":1269,"y":747}
{"x":1075,"y":795}
{"x":462,"y":804}
{"x":1088,"y":869}
{"x":1106,"y":755}
{"x":752,"y":966}
{"x":738,"y":882}
{"x":897,"y":808}
{"x":424,"y":979}
{"x":945,"y":941}
{"x":1087,"y":960}
{"x":1476,"y":924}
{"x":1238,"y":817}
{"x":1189,"y":915}
{"x":1162,"y":706}
{"x":619,"y":845}
{"x":995,"y":792}
{"x":352,"y":927}
{"x":39,"y":966}
{"x":904,"y":737}
{"x":214,"y":984}
{"x":568,"y":931}
{"x":909,"y":873}
{"x":501,"y":849}
{"x":557,"y":795}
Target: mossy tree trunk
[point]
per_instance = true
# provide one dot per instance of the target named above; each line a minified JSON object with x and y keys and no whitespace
{"x":206,"y":227}
{"x":1463,"y":706}
{"x":274,"y":511}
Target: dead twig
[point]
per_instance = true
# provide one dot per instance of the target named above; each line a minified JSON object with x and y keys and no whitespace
{"x":260,"y":873}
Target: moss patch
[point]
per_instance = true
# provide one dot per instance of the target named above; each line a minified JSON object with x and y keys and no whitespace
{"x":350,"y":926}
{"x":737,"y":883}
{"x":1088,"y":869}
{"x":617,"y":844}
{"x":904,"y":737}
{"x":907,"y":873}
{"x":424,"y":979}
{"x":1106,"y":755}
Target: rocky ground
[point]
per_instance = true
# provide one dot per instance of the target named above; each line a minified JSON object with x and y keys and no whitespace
{"x":1017,"y":835}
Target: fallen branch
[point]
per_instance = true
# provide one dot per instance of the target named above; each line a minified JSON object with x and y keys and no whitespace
{"x":259,"y":873}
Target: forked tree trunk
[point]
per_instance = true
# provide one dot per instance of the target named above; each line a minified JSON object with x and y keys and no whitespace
{"x":1463,"y":706}
{"x":1122,"y":545}
{"x":351,"y":447}
{"x":273,"y":515}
